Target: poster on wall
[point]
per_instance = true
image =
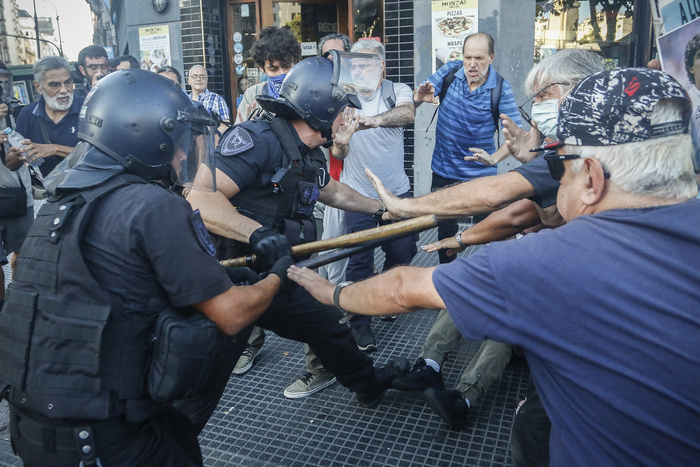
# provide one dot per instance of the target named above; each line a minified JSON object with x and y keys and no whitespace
{"x":672,"y":14}
{"x":674,"y":48}
{"x":451,"y":22}
{"x":154,"y":43}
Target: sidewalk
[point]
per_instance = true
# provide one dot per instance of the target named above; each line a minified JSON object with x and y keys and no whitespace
{"x":256,"y":426}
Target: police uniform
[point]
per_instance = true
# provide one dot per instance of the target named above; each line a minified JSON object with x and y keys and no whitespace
{"x":250,"y":154}
{"x":271,"y":192}
{"x":88,"y":346}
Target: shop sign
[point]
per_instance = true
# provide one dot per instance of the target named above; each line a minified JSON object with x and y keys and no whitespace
{"x":154,"y":44}
{"x":451,"y":22}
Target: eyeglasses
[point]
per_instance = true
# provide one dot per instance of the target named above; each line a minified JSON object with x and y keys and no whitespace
{"x":555,"y":163}
{"x":198,"y":76}
{"x":95,"y":67}
{"x":524,"y":114}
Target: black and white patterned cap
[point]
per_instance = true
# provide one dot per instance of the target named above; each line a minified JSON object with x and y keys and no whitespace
{"x":613,"y":107}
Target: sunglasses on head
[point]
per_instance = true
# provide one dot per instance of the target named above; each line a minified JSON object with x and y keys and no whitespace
{"x":555,"y":163}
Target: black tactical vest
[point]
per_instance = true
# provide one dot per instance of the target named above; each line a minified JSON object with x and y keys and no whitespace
{"x":286,"y":203}
{"x":66,"y":348}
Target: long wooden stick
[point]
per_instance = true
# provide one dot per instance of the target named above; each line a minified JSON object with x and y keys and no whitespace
{"x":395,"y":229}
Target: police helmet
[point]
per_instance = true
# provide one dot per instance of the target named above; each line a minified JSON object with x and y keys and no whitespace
{"x":140,"y":119}
{"x":310,"y":93}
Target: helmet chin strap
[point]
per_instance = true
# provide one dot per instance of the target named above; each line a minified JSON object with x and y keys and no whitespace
{"x":328,"y":134}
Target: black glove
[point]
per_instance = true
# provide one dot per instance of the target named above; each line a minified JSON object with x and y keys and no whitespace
{"x":268,"y":246}
{"x":280,"y":270}
{"x":242,"y":276}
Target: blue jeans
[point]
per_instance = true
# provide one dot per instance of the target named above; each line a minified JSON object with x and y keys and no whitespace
{"x":361,"y":265}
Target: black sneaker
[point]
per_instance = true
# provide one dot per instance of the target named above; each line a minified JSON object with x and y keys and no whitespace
{"x":364,"y":338}
{"x":383,"y":376}
{"x":449,"y":405}
{"x":420,"y":378}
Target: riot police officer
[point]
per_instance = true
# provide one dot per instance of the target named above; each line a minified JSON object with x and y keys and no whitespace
{"x":270,"y":171}
{"x":96,"y":274}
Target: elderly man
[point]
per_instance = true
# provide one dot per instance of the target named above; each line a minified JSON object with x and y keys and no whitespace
{"x":51,"y":123}
{"x":577,"y":298}
{"x":466,"y":119}
{"x":386,"y":108}
{"x":197,"y":79}
{"x":547,"y":82}
{"x":92,"y":63}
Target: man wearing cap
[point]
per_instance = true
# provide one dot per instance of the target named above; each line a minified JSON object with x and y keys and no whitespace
{"x":616,"y":360}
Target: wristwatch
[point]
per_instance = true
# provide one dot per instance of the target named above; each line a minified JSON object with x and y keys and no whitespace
{"x":458,"y":237}
{"x":336,"y":294}
{"x":382,"y":209}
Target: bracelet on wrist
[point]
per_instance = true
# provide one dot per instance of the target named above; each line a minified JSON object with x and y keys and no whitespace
{"x":458,"y":237}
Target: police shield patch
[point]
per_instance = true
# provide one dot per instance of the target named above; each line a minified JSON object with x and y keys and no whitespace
{"x":200,"y":231}
{"x":235,"y":142}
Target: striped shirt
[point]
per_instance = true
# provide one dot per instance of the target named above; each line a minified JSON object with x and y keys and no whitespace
{"x":465,"y":121}
{"x":214,"y":103}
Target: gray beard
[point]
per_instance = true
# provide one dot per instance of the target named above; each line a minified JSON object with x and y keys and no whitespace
{"x":52,"y":102}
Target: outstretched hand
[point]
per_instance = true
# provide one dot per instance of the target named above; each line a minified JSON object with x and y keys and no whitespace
{"x":518,"y":141}
{"x":425,"y":92}
{"x":390,"y":201}
{"x":480,"y":156}
{"x":320,"y":288}
{"x":347,"y":127}
{"x":450,"y":244}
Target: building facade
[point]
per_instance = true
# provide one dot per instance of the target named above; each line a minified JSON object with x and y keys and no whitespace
{"x":219,"y":34}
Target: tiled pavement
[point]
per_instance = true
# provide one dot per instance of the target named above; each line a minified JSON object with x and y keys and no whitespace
{"x":255,"y":425}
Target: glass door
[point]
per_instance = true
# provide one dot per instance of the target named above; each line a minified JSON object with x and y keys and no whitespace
{"x":243,"y":28}
{"x":309,"y":22}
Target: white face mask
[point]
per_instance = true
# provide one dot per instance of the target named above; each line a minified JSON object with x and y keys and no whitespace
{"x":546,"y":114}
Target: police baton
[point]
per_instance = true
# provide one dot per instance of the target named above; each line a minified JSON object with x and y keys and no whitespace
{"x":366,"y":239}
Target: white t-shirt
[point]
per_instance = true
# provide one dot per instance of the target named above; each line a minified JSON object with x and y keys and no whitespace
{"x":379,"y":149}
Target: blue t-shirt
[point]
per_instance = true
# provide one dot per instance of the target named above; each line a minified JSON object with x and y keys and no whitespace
{"x":465,"y":121}
{"x":606,"y":310}
{"x":65,"y":132}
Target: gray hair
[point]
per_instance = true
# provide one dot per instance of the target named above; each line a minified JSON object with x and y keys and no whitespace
{"x":347,"y":43}
{"x":567,"y":67}
{"x":44,"y":64}
{"x":370,"y":45}
{"x":658,"y":167}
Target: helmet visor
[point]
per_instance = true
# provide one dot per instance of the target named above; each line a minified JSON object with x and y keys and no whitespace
{"x":356,"y":73}
{"x":194,"y":158}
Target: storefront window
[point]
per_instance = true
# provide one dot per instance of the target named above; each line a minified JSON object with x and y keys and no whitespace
{"x":244,"y":30}
{"x":309,"y":21}
{"x":368,"y":16}
{"x":603,"y":26}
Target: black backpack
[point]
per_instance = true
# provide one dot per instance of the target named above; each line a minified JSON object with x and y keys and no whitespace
{"x":495,"y":97}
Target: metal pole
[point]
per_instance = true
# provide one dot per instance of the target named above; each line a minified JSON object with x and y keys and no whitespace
{"x":36,"y":29}
{"x":58,"y":26}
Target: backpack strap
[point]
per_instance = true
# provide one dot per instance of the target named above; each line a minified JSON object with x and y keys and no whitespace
{"x":495,"y":103}
{"x":388,"y":94}
{"x":446,"y":82}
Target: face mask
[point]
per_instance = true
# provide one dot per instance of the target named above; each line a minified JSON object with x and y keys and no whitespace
{"x":545,"y":114}
{"x":274,"y":84}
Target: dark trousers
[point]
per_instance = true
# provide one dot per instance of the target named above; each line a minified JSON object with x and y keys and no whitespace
{"x":529,"y":439}
{"x":361,"y":265}
{"x":163,"y":440}
{"x":298,"y":316}
{"x":448,"y":227}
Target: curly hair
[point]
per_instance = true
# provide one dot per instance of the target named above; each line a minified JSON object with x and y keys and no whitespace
{"x":276,"y":44}
{"x":691,"y":50}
